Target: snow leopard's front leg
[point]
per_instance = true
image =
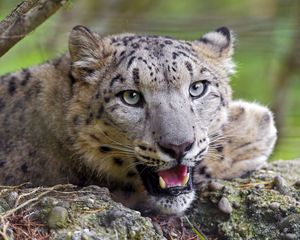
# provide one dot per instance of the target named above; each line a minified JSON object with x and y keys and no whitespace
{"x":243,"y":145}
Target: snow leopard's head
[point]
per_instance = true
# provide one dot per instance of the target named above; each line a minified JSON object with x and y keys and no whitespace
{"x":144,"y":108}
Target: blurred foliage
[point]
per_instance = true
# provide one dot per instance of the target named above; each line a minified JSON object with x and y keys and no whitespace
{"x":266,"y":31}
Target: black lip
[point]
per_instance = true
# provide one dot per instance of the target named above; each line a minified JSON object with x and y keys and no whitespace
{"x":150,"y":180}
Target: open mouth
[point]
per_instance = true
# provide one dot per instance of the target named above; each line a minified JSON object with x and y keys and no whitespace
{"x":170,"y":182}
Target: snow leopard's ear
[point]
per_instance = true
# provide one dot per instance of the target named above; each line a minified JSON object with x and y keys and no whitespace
{"x":218,"y":43}
{"x":88,"y":51}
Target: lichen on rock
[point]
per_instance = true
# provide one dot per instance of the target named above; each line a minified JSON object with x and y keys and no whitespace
{"x":263,"y":205}
{"x":68,"y":212}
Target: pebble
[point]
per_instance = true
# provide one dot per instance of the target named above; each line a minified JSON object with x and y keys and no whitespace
{"x":91,"y":201}
{"x":58,"y":217}
{"x":225,"y":206}
{"x":236,"y":205}
{"x":289,"y":236}
{"x":11,"y":199}
{"x":297,"y":184}
{"x":280,"y":185}
{"x":214,"y":186}
{"x":274,"y":205}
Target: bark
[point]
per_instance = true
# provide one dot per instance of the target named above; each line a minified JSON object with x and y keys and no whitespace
{"x":21,"y":9}
{"x":25,"y":18}
{"x":263,"y":205}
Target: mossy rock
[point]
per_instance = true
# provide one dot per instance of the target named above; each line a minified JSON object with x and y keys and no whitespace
{"x":263,"y":205}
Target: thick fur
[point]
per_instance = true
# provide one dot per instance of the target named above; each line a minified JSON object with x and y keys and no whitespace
{"x":64,"y":121}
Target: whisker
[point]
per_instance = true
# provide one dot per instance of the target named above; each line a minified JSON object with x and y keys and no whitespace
{"x":113,"y":140}
{"x":118,"y":148}
{"x":210,"y":154}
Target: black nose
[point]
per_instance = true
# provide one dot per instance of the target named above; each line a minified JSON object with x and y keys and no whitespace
{"x":176,"y":151}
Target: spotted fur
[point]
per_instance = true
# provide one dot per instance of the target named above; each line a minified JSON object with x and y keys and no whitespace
{"x":65,"y":120}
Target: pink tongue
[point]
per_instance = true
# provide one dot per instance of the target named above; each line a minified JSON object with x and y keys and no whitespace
{"x":174,"y":176}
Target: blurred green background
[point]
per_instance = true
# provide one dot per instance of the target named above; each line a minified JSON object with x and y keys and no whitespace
{"x":267,"y":50}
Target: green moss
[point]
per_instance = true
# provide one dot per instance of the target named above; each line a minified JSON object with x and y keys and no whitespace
{"x":260,"y":210}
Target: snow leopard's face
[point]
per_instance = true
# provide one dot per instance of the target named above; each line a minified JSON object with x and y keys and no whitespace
{"x":154,"y":103}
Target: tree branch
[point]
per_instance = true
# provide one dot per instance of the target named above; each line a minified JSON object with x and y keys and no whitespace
{"x":24,"y":19}
{"x":21,"y":9}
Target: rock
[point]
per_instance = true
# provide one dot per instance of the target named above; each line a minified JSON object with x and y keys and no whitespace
{"x":57,"y":218}
{"x":4,"y":205}
{"x":214,"y":186}
{"x":290,"y":224}
{"x":266,"y":206}
{"x":297,"y":184}
{"x":236,"y":205}
{"x":98,"y":216}
{"x":280,"y":185}
{"x":225,"y":206}
{"x":11,"y":198}
{"x":289,"y":236}
{"x":87,"y":213}
{"x":274,"y":205}
{"x":270,"y":211}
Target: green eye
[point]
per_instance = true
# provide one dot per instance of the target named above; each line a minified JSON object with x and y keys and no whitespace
{"x":198,"y":89}
{"x":131,"y":97}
